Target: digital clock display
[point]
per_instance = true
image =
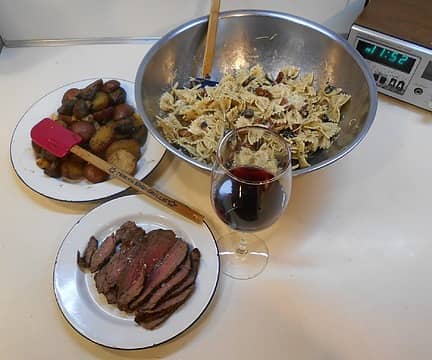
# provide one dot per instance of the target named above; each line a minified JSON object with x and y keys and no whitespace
{"x":385,"y":56}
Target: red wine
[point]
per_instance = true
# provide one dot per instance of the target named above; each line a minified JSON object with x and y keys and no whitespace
{"x":246,"y":206}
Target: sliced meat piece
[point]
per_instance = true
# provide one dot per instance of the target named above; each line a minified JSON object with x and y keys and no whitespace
{"x":162,"y":271}
{"x":153,"y":324}
{"x":154,"y":321}
{"x":174,"y":281}
{"x":152,"y":249}
{"x":107,"y":277}
{"x":103,"y":253}
{"x":131,"y":280}
{"x":111,"y":296}
{"x":195,"y":257}
{"x":167,"y":306}
{"x":128,"y":234}
{"x":85,"y":260}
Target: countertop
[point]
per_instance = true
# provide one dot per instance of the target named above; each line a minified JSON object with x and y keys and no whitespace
{"x":348,"y":275}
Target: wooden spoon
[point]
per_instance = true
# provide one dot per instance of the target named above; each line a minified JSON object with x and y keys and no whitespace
{"x":210,"y":45}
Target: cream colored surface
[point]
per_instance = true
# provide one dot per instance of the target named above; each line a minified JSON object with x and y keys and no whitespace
{"x":350,"y":266}
{"x":57,"y":19}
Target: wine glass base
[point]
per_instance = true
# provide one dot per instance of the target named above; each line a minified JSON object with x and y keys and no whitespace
{"x":243,"y":255}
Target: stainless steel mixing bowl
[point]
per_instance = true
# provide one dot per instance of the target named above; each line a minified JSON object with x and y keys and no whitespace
{"x":274,"y":40}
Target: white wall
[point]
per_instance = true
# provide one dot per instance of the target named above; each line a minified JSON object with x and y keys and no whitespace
{"x":61,"y":19}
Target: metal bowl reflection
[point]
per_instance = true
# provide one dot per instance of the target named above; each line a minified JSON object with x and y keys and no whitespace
{"x":273,"y":40}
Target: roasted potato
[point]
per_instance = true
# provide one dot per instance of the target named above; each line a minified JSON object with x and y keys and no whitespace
{"x":65,"y":119}
{"x":104,"y":116}
{"x":103,"y":138}
{"x":100,"y":101}
{"x":118,"y":96}
{"x":124,"y":128}
{"x":140,"y":134}
{"x":89,"y":118}
{"x":47,"y":155}
{"x":71,"y":170}
{"x":138,"y":121}
{"x":130,"y":145}
{"x":122,"y":111}
{"x":110,"y":86}
{"x":54,"y":169}
{"x":75,"y":158}
{"x":81,"y":109}
{"x":43,"y":163}
{"x":124,"y":160}
{"x":67,"y":107}
{"x":84,"y":129}
{"x":36,"y":148}
{"x":89,"y":92}
{"x":108,"y":126}
{"x":62,"y":123}
{"x":71,"y":94}
{"x":94,"y":174}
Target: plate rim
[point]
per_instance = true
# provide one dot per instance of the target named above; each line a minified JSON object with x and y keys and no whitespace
{"x":203,"y":311}
{"x":90,"y":200}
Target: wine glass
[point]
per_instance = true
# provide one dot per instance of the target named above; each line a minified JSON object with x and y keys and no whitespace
{"x":250,"y":188}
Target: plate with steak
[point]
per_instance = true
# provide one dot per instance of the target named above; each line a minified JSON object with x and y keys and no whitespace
{"x":131,"y":275}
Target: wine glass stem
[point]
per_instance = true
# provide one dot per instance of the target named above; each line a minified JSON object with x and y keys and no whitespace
{"x":242,"y":248}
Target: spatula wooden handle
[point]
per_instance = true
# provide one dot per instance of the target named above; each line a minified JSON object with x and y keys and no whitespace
{"x":211,"y":38}
{"x":138,"y":185}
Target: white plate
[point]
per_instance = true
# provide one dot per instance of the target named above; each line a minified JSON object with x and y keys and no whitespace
{"x":24,"y":161}
{"x":90,"y":314}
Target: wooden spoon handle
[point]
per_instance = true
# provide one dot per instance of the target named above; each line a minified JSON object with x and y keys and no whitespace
{"x":138,"y":185}
{"x":211,"y":38}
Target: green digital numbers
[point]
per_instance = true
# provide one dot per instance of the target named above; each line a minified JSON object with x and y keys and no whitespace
{"x":370,"y":50}
{"x":393,"y":56}
{"x":403,"y":60}
{"x":386,"y":56}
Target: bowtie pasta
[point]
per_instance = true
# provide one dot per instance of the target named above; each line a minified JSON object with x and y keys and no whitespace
{"x":194,"y":119}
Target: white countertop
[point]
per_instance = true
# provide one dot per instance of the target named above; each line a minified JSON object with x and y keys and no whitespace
{"x":349,"y":272}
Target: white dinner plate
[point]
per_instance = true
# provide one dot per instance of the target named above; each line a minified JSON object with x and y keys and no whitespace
{"x":90,"y":314}
{"x":24,"y":161}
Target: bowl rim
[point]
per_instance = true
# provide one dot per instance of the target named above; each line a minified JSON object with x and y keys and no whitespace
{"x":372,"y":89}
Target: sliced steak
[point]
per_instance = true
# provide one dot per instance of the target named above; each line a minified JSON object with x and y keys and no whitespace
{"x":162,"y":271}
{"x":153,"y":321}
{"x":107,"y":277}
{"x":174,"y":281}
{"x":128,"y":234}
{"x":151,"y":250}
{"x":85,"y":260}
{"x":195,"y":257}
{"x":153,"y":324}
{"x":111,"y":296}
{"x":167,"y":307}
{"x":103,"y":253}
{"x":151,"y":274}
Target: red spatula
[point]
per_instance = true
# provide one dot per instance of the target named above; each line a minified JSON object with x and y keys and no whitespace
{"x":60,"y":141}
